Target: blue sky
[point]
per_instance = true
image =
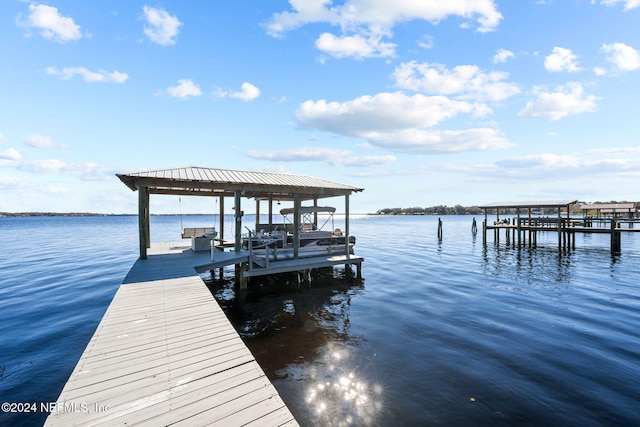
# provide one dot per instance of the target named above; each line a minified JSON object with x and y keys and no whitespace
{"x":420,"y":102}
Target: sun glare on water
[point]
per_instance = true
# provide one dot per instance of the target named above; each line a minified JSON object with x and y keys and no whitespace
{"x":338,"y":395}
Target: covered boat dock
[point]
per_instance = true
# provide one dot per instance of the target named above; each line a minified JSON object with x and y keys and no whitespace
{"x":555,"y":216}
{"x":598,"y":211}
{"x":165,"y":352}
{"x":528,"y":221}
{"x":263,"y":187}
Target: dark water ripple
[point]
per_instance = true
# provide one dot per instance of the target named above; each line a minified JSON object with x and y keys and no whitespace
{"x":456,"y":334}
{"x":443,"y":332}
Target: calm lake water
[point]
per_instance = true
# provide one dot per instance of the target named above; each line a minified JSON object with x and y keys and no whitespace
{"x":438,"y":332}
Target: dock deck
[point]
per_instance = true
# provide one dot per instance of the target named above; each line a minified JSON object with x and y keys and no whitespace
{"x":165,"y":353}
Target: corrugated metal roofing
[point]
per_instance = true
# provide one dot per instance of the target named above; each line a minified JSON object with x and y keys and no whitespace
{"x":610,"y":206}
{"x":199,"y":179}
{"x":534,"y":204}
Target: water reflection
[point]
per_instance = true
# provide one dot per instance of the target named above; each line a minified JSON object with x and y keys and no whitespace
{"x":527,"y":266}
{"x":338,"y":395}
{"x":300,"y":333}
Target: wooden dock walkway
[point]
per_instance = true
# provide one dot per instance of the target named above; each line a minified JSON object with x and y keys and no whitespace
{"x":166,"y":354}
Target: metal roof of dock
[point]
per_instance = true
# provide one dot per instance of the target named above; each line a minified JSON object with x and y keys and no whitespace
{"x":529,"y":204}
{"x":610,"y":207}
{"x":202,"y":181}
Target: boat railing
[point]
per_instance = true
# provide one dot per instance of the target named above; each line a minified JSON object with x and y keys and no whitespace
{"x":254,"y":258}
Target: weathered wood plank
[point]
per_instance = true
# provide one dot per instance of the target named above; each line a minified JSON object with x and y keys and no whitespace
{"x":166,"y":353}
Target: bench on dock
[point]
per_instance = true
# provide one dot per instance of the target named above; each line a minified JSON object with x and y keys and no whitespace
{"x":197,"y":232}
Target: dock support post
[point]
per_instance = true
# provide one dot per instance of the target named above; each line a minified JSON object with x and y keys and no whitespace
{"x":519,"y":227}
{"x":243,"y":278}
{"x":221,"y":216}
{"x":257,"y":214}
{"x":615,"y":238}
{"x":296,"y":225}
{"x":346,"y":225}
{"x":143,"y":220}
{"x":484,"y":228}
{"x":238,"y":217}
{"x":315,"y":214}
{"x":484,"y":232}
{"x":559,"y":229}
{"x":270,"y":214}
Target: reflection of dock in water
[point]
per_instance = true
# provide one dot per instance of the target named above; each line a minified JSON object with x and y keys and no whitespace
{"x":300,"y":333}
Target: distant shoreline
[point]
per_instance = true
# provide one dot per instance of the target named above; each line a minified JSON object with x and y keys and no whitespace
{"x":74,"y":214}
{"x":89,"y":214}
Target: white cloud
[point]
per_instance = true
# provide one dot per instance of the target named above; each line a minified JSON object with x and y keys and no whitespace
{"x":548,"y":167}
{"x":502,"y":55}
{"x":612,"y":151}
{"x":39,"y":141}
{"x":88,"y":76}
{"x":366,"y":161}
{"x":565,"y":100}
{"x":447,"y":141}
{"x":248,"y":92}
{"x":359,"y":46}
{"x":84,"y":171}
{"x":161,"y":28}
{"x":397,"y":122}
{"x":465,"y":81}
{"x":426,"y":42}
{"x":10,"y":154}
{"x":382,"y":14}
{"x":330,"y":156}
{"x":184,"y":89}
{"x":555,"y":166}
{"x":51,"y":24}
{"x":364,"y":23}
{"x":599,"y":71}
{"x":301,"y":154}
{"x":381,"y":112}
{"x":624,"y":57}
{"x":49,"y":165}
{"x":562,"y":59}
{"x":537,"y":160}
{"x":628,"y":4}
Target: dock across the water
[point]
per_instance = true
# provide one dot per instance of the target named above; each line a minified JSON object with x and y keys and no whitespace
{"x":524,"y":231}
{"x":165,"y":353}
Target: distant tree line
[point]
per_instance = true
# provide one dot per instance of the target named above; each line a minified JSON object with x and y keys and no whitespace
{"x":24,"y":214}
{"x":475,"y":210}
{"x":433,"y":210}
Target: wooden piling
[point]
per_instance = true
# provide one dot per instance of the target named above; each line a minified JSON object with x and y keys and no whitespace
{"x":615,"y":238}
{"x":484,"y":231}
